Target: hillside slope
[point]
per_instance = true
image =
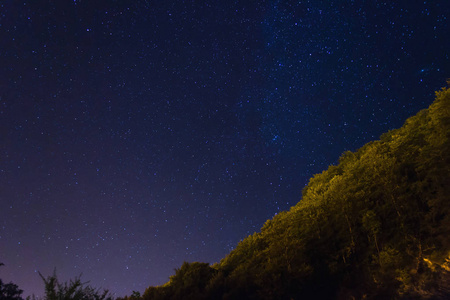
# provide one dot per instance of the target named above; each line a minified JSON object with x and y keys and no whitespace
{"x":375,"y":226}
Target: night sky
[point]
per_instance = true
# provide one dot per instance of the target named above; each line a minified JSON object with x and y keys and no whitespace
{"x":135,"y":135}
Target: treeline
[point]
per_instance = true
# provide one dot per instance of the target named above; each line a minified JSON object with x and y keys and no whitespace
{"x":375,"y":226}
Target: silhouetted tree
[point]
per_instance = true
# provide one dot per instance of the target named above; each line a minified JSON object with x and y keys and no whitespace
{"x":9,"y":291}
{"x":72,"y":290}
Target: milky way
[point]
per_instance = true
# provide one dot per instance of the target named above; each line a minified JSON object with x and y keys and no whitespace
{"x":138,"y":135}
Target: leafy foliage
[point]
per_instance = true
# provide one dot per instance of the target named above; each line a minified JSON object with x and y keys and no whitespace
{"x":9,"y":291}
{"x":189,"y":282}
{"x":375,"y":226}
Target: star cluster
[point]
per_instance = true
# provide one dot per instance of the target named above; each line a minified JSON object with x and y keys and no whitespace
{"x":136,"y":135}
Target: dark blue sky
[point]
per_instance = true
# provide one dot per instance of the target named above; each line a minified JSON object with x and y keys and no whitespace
{"x":135,"y":135}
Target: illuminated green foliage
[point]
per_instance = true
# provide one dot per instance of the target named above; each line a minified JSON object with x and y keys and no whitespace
{"x":374,"y":226}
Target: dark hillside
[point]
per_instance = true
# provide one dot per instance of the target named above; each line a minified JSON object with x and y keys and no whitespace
{"x":375,"y":226}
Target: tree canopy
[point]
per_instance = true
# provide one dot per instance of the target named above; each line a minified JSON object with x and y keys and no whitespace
{"x":9,"y":291}
{"x":376,"y":225}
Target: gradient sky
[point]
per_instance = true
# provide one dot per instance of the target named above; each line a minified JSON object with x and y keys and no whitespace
{"x":135,"y":135}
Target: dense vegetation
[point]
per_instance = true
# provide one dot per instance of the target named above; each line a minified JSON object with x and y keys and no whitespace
{"x":375,"y":226}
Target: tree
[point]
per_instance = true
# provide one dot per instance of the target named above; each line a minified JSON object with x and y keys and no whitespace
{"x":9,"y":291}
{"x":74,"y":290}
{"x":189,"y":281}
{"x":375,"y":226}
